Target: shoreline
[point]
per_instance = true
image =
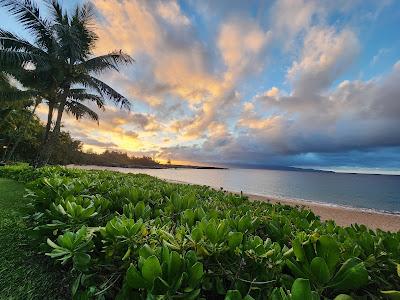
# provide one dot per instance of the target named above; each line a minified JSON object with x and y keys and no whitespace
{"x":144,"y":167}
{"x":342,"y":215}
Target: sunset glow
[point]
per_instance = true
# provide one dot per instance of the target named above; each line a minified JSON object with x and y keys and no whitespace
{"x":307,"y":83}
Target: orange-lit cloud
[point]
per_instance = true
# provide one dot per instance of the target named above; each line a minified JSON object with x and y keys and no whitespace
{"x":214,"y":81}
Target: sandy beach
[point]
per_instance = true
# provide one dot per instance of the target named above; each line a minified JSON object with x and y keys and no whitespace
{"x":343,"y":216}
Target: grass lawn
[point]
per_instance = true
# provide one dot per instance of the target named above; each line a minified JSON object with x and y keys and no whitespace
{"x":23,"y":274}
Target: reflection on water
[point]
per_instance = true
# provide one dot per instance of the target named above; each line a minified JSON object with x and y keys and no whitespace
{"x":365,"y":191}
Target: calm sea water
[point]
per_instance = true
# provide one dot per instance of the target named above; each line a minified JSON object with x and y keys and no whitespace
{"x":377,"y":192}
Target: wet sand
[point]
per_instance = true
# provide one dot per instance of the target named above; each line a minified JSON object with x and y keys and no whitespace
{"x":343,"y":216}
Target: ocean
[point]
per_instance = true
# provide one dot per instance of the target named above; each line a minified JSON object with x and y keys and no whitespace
{"x":364,"y":191}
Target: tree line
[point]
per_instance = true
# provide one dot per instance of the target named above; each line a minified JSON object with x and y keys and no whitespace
{"x":67,"y":150}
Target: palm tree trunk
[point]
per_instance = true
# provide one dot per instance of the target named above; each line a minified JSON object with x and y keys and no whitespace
{"x":22,"y":134}
{"x":46,"y":133}
{"x":9,"y":142}
{"x":48,"y":125}
{"x":6,"y":151}
{"x":47,"y":150}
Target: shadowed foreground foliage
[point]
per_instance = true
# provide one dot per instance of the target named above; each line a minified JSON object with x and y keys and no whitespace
{"x":23,"y":273}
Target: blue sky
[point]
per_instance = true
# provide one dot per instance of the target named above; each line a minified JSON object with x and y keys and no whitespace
{"x":288,"y":82}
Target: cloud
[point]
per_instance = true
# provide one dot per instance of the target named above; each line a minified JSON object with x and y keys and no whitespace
{"x":356,"y":115}
{"x":291,"y":17}
{"x":272,"y":92}
{"x":158,"y":47}
{"x":241,"y":43}
{"x":145,"y":122}
{"x":381,"y":54}
{"x":326,"y":54}
{"x":92,"y":142}
{"x":245,"y":81}
{"x":171,"y":12}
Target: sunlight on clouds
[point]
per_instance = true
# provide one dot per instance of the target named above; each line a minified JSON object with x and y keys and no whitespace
{"x":223,"y":84}
{"x":240,"y":42}
{"x":252,"y":121}
{"x":248,"y":106}
{"x":142,"y":33}
{"x":128,"y":25}
{"x":273,"y":92}
{"x":171,"y":12}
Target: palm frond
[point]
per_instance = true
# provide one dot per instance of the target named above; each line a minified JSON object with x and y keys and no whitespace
{"x":110,"y":61}
{"x":78,"y":110}
{"x":104,"y":90}
{"x":28,"y":14}
{"x":81,"y":95}
{"x":76,"y":42}
{"x":86,"y":14}
{"x":17,"y":52}
{"x":12,"y":58}
{"x":11,"y":94}
{"x":4,"y":112}
{"x":11,"y":41}
{"x":82,"y":26}
{"x":77,"y":90}
{"x":57,"y":14}
{"x":14,"y":96}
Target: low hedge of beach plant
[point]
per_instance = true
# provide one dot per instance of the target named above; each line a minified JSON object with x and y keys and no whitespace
{"x":125,"y":236}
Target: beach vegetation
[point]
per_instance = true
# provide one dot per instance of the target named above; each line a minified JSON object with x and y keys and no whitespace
{"x":125,"y":236}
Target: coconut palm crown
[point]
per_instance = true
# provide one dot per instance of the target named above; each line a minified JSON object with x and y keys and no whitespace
{"x":59,"y":62}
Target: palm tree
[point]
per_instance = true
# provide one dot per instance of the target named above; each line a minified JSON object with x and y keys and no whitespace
{"x":62,"y":55}
{"x":11,"y":99}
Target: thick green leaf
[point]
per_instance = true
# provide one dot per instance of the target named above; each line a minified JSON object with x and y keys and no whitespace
{"x":343,"y":297}
{"x":145,"y":251}
{"x":328,"y":249}
{"x":197,"y":234}
{"x":320,"y":270}
{"x":151,"y":268}
{"x":160,"y":286}
{"x":351,"y":276}
{"x":196,"y":272}
{"x":134,"y":279}
{"x":298,"y":250}
{"x":296,"y":269}
{"x":235,"y":239}
{"x":175,"y":264}
{"x":212,"y":232}
{"x":301,"y":289}
{"x":81,"y":260}
{"x":233,"y":295}
{"x":394,"y":295}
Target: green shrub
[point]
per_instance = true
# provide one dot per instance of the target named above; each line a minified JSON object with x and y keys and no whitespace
{"x":138,"y":237}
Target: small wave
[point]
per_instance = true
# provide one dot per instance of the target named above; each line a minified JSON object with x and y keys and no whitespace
{"x":298,"y":201}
